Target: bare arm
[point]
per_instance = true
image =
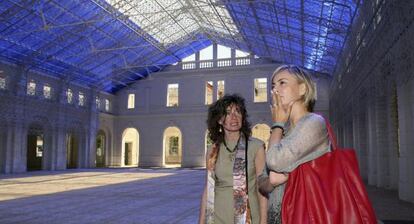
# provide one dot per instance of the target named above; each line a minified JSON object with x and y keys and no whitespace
{"x":202,"y":216}
{"x":260,"y":164}
{"x":264,"y":184}
{"x":267,"y":183}
{"x":203,"y":203}
{"x":276,"y":179}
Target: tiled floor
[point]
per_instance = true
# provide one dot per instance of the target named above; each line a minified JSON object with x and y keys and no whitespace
{"x":127,"y":196}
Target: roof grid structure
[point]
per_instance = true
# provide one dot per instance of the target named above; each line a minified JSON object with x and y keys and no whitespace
{"x":308,"y":33}
{"x":109,"y":44}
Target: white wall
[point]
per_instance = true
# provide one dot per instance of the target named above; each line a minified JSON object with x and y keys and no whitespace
{"x":55,"y":117}
{"x":151,"y":116}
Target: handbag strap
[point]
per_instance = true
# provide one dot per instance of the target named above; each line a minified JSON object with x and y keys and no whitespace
{"x":331,"y":135}
{"x":246,"y":164}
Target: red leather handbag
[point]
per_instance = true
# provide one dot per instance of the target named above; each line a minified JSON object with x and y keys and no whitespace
{"x":326,"y":190}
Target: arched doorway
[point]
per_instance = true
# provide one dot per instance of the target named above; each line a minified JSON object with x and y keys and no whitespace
{"x":72,"y":148}
{"x":34,"y":156}
{"x":262,"y":132}
{"x":100,"y":149}
{"x":130,"y":147}
{"x":172,"y":147}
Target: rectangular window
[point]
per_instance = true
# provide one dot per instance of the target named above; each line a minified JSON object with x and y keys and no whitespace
{"x":2,"y":82}
{"x":260,"y":90}
{"x":106,"y":105}
{"x":69,"y":96}
{"x":172,"y":95}
{"x":131,"y":101}
{"x":81,"y":99}
{"x":173,"y":146}
{"x":220,"y":89}
{"x":98,"y":103}
{"x":39,"y":146}
{"x":31,"y":88}
{"x":47,"y":91}
{"x":209,"y":92}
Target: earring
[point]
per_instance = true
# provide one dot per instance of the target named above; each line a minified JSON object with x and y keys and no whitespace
{"x":221,"y":129}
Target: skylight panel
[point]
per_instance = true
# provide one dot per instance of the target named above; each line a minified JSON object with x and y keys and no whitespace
{"x":317,"y":53}
{"x":189,"y":58}
{"x":170,"y":21}
{"x":207,"y":53}
{"x":223,"y":52}
{"x":241,"y":54}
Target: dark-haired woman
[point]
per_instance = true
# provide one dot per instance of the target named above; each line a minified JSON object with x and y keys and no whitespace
{"x":231,"y":194}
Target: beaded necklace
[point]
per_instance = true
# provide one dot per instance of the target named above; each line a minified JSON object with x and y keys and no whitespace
{"x":231,"y":151}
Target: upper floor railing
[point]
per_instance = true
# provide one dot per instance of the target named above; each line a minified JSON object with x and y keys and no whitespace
{"x":219,"y":63}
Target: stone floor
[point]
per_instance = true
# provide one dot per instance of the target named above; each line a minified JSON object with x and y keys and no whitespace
{"x":143,"y":196}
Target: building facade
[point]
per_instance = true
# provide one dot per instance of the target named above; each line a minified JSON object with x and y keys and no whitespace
{"x":372,"y":95}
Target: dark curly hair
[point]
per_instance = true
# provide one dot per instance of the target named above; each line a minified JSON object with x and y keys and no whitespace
{"x":215,"y":112}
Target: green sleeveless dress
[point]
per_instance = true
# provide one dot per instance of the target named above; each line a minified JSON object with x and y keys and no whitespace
{"x":223,"y":200}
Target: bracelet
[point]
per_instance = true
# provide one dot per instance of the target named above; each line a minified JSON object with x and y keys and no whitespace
{"x":277,"y":126}
{"x":281,"y":124}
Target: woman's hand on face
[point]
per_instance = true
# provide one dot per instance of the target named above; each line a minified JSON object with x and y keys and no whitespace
{"x":276,"y":179}
{"x":280,"y":113}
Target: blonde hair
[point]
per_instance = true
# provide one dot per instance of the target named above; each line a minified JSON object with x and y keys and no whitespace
{"x":302,"y":76}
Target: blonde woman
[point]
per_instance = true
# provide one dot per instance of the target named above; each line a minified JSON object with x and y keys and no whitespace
{"x":298,"y":135}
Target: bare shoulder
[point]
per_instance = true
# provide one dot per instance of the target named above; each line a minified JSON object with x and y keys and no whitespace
{"x":255,"y":143}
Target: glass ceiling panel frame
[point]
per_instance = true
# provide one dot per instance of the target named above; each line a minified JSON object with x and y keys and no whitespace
{"x":92,"y":43}
{"x":281,"y":23}
{"x":172,"y":21}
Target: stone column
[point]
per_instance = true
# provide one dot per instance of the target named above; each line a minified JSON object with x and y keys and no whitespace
{"x":59,"y":148}
{"x":92,"y":130}
{"x":3,"y":129}
{"x":381,"y":129}
{"x":59,"y":129}
{"x":393,"y":144}
{"x":197,"y":59}
{"x":371,"y":137}
{"x":406,"y":124}
{"x":356,"y":131}
{"x":215,"y":55}
{"x":233,"y":57}
{"x":8,"y":154}
{"x":362,"y":135}
{"x":18,"y":148}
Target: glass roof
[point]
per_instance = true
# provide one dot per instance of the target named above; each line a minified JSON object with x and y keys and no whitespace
{"x":110,"y":44}
{"x":169,"y":21}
